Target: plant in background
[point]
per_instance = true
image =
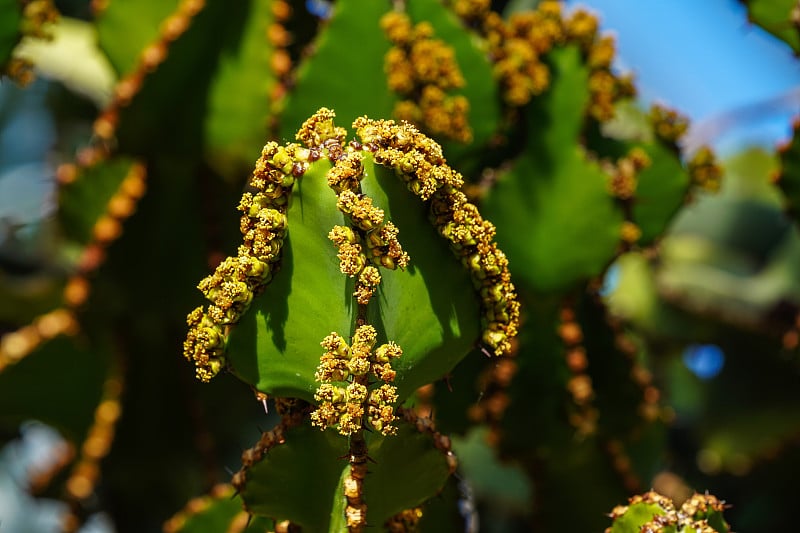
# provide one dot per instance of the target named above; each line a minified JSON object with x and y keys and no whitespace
{"x":365,"y":297}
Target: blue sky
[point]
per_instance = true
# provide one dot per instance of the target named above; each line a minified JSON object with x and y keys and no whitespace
{"x":707,"y":60}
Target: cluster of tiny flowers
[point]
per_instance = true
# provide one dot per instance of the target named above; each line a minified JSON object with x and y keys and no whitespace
{"x":693,"y":515}
{"x":403,"y":521}
{"x":345,"y":406}
{"x":231,"y":287}
{"x":704,"y":170}
{"x":471,"y":239}
{"x":422,"y":69}
{"x":622,"y":184}
{"x":38,"y":16}
{"x":623,"y":176}
{"x":669,"y":125}
{"x":518,"y":46}
{"x":416,"y":157}
{"x":521,"y":43}
{"x":605,"y":88}
{"x":380,"y":238}
{"x":319,"y":129}
{"x":371,"y":241}
{"x":419,"y":162}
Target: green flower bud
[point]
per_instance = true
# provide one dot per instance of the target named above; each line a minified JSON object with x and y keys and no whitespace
{"x":212,"y":337}
{"x":494,"y":338}
{"x":387,"y":262}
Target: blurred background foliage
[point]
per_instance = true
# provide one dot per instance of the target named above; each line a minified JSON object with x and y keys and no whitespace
{"x":660,"y":325}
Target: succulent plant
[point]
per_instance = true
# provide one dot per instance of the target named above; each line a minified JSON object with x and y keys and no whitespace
{"x":409,"y":279}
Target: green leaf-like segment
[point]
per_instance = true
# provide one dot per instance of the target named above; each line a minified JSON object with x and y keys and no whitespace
{"x":275,"y":347}
{"x":662,"y":186}
{"x":186,"y":101}
{"x":84,"y":201}
{"x":554,"y":197}
{"x":348,"y":63}
{"x":777,"y":17}
{"x":238,"y":100}
{"x":660,"y":192}
{"x":635,"y":517}
{"x":789,"y":180}
{"x":430,"y":309}
{"x":219,"y":511}
{"x":35,"y":387}
{"x":124,"y":29}
{"x":405,"y":470}
{"x":9,"y":28}
{"x":408,"y":470}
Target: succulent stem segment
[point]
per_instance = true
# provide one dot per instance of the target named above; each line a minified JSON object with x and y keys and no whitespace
{"x":355,"y":390}
{"x":419,"y":162}
{"x":346,"y":395}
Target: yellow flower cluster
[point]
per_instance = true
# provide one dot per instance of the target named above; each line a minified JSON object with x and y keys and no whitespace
{"x":623,"y":176}
{"x":38,"y":16}
{"x":422,"y":70}
{"x":231,"y":287}
{"x":419,"y":162}
{"x":704,"y":170}
{"x":346,"y":406}
{"x":346,"y":174}
{"x":692,"y":515}
{"x":371,"y":241}
{"x":353,"y":261}
{"x":669,"y":125}
{"x":319,"y":129}
{"x":471,"y":10}
{"x":471,"y":239}
{"x":407,"y":520}
{"x":417,"y":158}
{"x":519,"y":45}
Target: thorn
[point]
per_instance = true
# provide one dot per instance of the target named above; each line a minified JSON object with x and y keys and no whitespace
{"x":486,"y":352}
{"x":447,"y":382}
{"x":261,"y":397}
